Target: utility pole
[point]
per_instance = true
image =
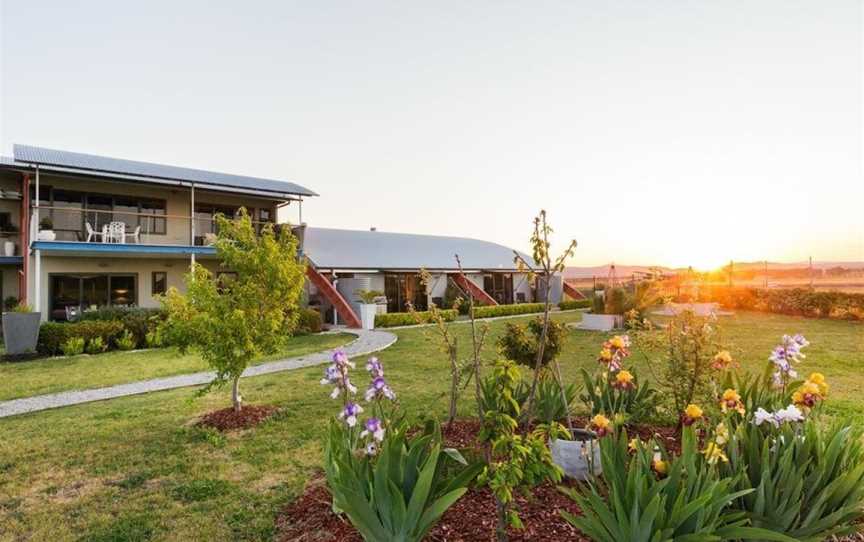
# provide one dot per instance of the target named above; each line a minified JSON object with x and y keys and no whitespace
{"x":730,"y":272}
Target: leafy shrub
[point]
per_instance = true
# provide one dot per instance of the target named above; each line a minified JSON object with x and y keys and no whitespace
{"x":73,"y":346}
{"x":9,"y":303}
{"x":96,"y":346}
{"x":794,"y":302}
{"x":598,"y":304}
{"x":521,"y":345}
{"x":138,"y":320}
{"x":809,"y":478}
{"x":52,"y":335}
{"x":641,"y":499}
{"x":153,"y":339}
{"x":574,"y":304}
{"x":617,"y":302}
{"x":391,"y":319}
{"x":369,"y":296}
{"x":517,"y":461}
{"x":492,"y":311}
{"x":309,"y":321}
{"x":126,"y":341}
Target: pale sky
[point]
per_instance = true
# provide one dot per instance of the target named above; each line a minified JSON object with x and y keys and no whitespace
{"x":653,"y":132}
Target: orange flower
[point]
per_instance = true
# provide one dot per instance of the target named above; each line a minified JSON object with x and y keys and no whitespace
{"x":731,"y":401}
{"x":624,"y":380}
{"x":601,"y":425}
{"x":692,"y":414}
{"x":660,"y":467}
{"x":813,"y":390}
{"x":722,"y":360}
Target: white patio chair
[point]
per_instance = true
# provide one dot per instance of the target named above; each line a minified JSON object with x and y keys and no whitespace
{"x":114,"y":232}
{"x":136,"y":235}
{"x":91,"y":233}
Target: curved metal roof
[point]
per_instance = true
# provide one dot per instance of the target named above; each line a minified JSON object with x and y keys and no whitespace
{"x":144,"y":171}
{"x":355,"y":249}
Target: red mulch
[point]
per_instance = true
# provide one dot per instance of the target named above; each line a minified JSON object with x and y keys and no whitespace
{"x":472,"y":519}
{"x":228,"y":420}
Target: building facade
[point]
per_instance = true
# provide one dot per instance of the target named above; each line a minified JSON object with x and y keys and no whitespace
{"x":80,"y":231}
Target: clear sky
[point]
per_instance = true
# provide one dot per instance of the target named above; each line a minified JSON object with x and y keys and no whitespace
{"x":653,"y":132}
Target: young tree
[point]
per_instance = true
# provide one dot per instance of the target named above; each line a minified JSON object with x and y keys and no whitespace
{"x":448,"y":341}
{"x":251,"y":311}
{"x":547,"y":268}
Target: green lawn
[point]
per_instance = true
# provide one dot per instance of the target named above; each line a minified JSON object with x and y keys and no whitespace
{"x":57,"y":374}
{"x":136,"y":469}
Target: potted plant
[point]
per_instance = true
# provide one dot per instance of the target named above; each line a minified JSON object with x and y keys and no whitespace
{"x":579,"y":457}
{"x":9,"y":230}
{"x":46,"y":230}
{"x":368,"y":306}
{"x":21,"y":329}
{"x":607,"y":311}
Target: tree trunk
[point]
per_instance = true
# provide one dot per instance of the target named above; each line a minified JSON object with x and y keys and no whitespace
{"x":501,"y":527}
{"x":454,"y":383}
{"x":235,"y":393}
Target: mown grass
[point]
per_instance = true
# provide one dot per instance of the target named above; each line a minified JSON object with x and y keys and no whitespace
{"x":137,"y":469}
{"x":57,"y":374}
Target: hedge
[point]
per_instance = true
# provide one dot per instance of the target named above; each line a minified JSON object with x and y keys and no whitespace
{"x":574,"y":304}
{"x":52,"y":335}
{"x":137,"y":320}
{"x":309,"y":321}
{"x":391,"y":319}
{"x":794,"y":302}
{"x":491,"y":311}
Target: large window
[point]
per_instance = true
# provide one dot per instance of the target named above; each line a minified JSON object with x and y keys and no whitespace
{"x":403,"y":288}
{"x":90,"y":291}
{"x":70,"y":210}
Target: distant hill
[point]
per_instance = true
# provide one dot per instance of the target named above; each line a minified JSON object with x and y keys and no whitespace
{"x":623,"y":271}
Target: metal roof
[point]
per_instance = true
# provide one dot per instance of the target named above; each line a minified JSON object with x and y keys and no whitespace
{"x":360,"y":250}
{"x":146,"y":171}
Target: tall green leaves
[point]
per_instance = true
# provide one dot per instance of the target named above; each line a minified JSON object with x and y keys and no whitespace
{"x":635,"y":503}
{"x":807,"y":480}
{"x":627,"y":405}
{"x":402,"y":492}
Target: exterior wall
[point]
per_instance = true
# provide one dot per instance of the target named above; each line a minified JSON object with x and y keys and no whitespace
{"x":142,"y":268}
{"x":10,"y":281}
{"x":521,"y":284}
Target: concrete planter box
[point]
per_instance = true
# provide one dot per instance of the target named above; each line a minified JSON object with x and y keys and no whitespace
{"x":577,"y":458}
{"x":20,"y":331}
{"x":601,"y":322}
{"x":367,"y":315}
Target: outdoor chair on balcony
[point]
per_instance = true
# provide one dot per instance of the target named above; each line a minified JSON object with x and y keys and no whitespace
{"x":91,"y":233}
{"x":136,"y":235}
{"x":114,"y":232}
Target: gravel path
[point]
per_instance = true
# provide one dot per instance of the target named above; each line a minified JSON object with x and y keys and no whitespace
{"x":365,"y":343}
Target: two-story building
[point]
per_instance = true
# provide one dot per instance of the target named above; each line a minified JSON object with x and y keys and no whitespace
{"x":83,"y":231}
{"x":80,"y":231}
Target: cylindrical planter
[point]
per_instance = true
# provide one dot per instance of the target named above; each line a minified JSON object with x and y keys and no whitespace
{"x":46,"y":235}
{"x":577,"y":458}
{"x":367,"y":315}
{"x":601,"y":322}
{"x":20,"y":331}
{"x":8,"y":248}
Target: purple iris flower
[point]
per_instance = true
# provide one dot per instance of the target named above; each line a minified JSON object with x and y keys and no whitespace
{"x":375,"y":428}
{"x":350,"y":412}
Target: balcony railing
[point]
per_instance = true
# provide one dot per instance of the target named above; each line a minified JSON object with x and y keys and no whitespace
{"x":122,"y":227}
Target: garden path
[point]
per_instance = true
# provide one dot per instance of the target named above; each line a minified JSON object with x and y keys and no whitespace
{"x":365,"y":343}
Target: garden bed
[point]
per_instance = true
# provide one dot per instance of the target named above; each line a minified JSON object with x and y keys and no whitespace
{"x":228,"y":419}
{"x":472,"y":519}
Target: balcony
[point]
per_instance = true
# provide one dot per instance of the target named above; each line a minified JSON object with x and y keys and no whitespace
{"x":80,"y":232}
